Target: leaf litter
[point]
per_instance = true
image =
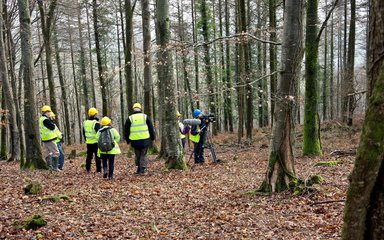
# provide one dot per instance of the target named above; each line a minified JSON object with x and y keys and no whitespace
{"x":208,"y":201}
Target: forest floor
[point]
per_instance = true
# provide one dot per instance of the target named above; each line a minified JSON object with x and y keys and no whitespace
{"x":209,"y":201}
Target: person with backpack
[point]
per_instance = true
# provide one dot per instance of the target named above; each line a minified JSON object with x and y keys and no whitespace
{"x":198,"y":136}
{"x":48,"y":136}
{"x":139,"y":132}
{"x":59,"y":141}
{"x":90,"y":128}
{"x":107,"y":138}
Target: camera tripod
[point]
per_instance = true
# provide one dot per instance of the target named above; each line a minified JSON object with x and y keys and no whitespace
{"x":208,"y":144}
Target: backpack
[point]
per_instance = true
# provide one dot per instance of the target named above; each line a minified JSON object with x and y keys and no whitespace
{"x":106,"y":142}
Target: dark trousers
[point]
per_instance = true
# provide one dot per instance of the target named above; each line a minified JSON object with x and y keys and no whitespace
{"x":198,"y":150}
{"x":61,"y":156}
{"x":141,"y":159}
{"x":108,"y":164}
{"x":92,"y":150}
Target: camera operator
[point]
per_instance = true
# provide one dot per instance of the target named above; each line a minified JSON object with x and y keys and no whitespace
{"x":198,"y":136}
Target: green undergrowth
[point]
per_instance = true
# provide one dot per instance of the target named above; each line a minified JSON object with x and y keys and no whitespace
{"x":327,"y":163}
{"x":57,"y":198}
{"x":35,"y":222}
{"x":33,"y":188}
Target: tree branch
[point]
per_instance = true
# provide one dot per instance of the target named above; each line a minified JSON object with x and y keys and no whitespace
{"x":326,"y":20}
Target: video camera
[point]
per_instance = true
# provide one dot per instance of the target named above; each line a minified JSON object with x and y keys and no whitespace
{"x":210,"y":118}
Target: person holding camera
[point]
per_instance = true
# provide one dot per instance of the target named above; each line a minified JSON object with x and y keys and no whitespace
{"x":198,"y":136}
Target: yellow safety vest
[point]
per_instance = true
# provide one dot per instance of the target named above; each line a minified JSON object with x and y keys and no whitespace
{"x":182,"y":136}
{"x":89,"y":129}
{"x":139,"y":127}
{"x":195,"y":138}
{"x":116,"y":139}
{"x":58,"y":134}
{"x":46,"y":134}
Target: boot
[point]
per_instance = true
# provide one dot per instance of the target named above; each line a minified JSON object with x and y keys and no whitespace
{"x":55,"y":164}
{"x":142,"y":171}
{"x":48,"y":160}
{"x":137,"y":171}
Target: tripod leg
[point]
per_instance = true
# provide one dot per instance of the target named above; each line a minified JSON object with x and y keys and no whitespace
{"x":213,"y":153}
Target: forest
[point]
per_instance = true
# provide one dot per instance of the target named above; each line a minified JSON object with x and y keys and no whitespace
{"x":292,"y":92}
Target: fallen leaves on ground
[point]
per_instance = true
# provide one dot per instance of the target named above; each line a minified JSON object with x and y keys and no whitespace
{"x":206,"y":202}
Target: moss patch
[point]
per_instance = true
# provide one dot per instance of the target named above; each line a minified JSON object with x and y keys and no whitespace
{"x":33,"y":188}
{"x":35,"y":222}
{"x":327,"y":163}
{"x":57,"y":198}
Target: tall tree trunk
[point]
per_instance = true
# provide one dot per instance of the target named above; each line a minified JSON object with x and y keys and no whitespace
{"x":325,"y":78}
{"x":121,"y":90}
{"x":63,"y":87}
{"x":83,"y":74}
{"x":174,"y":158}
{"x":3,"y":127}
{"x":331,"y":77}
{"x":90,"y":58}
{"x":146,"y":14}
{"x":281,"y":167}
{"x":186,"y":80}
{"x":364,"y":212}
{"x":11,"y":52}
{"x":207,"y":59}
{"x":272,"y":54}
{"x":46,"y":27}
{"x":128,"y":54}
{"x":348,"y":102}
{"x":311,"y":142}
{"x":8,"y":94}
{"x":34,"y":158}
{"x":195,"y":53}
{"x":103,"y":82}
{"x":228,"y":98}
{"x":78,"y":102}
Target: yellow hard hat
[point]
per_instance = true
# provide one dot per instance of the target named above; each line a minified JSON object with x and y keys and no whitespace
{"x":137,"y":105}
{"x":53,"y":114}
{"x":105,"y":121}
{"x":178,"y":114}
{"x":92,"y":112}
{"x":46,"y":108}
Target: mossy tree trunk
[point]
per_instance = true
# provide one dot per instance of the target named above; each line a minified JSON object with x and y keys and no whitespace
{"x":34,"y":158}
{"x":228,"y":81}
{"x":281,"y":168}
{"x":311,"y":142}
{"x":172,"y":150}
{"x":364,"y":209}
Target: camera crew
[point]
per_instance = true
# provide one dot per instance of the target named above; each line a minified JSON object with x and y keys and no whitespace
{"x":198,"y":136}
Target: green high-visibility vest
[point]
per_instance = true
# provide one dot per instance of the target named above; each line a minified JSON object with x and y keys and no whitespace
{"x":182,"y":136}
{"x":139,"y":127}
{"x":195,"y":138}
{"x":46,"y":134}
{"x":89,"y":129}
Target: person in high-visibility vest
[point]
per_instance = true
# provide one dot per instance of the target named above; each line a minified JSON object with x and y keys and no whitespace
{"x":90,"y":128}
{"x":197,"y":136}
{"x":48,"y":136}
{"x":59,"y":142}
{"x":139,"y":132}
{"x":183,"y":129}
{"x":109,"y":156}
